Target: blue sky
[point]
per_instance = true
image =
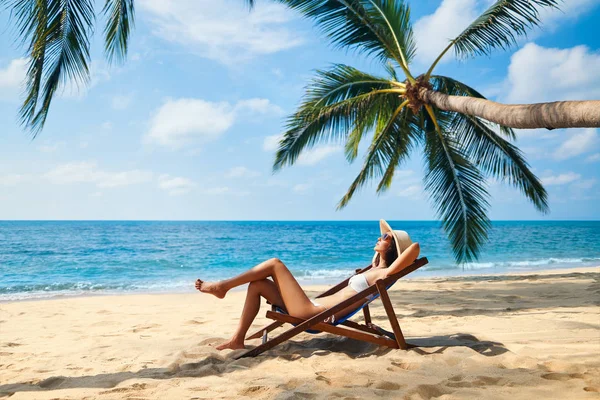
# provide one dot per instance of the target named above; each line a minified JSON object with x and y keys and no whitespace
{"x":186,"y":128}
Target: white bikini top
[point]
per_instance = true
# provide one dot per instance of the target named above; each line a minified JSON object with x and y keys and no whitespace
{"x":358,"y":283}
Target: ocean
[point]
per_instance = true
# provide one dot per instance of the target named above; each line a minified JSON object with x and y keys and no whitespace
{"x":41,"y":259}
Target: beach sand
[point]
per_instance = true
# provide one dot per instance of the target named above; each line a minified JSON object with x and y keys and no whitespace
{"x":533,"y":336}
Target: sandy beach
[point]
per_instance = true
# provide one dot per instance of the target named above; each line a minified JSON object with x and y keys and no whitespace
{"x":529,"y":336}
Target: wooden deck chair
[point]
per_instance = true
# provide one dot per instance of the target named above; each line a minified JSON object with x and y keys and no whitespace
{"x":368,"y":331}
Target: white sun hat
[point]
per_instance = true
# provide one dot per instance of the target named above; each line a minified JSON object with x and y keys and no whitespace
{"x":401,"y":238}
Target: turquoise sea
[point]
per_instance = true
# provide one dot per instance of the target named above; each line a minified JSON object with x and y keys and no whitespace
{"x":40,"y":259}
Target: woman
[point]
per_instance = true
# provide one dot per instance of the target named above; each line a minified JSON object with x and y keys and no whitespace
{"x":393,"y":252}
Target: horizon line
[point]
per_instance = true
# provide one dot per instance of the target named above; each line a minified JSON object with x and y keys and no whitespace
{"x":282,"y":220}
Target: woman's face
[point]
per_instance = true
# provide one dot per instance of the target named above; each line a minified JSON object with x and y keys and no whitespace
{"x":383,"y":243}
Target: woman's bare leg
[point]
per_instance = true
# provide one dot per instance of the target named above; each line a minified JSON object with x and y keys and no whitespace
{"x":257,"y":289}
{"x":295,"y":300}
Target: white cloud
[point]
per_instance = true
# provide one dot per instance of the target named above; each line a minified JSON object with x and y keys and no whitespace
{"x":222,"y":30}
{"x":88,"y":172}
{"x":178,"y":122}
{"x":552,"y":18}
{"x":561,"y":179}
{"x":106,"y":125}
{"x":538,"y":74}
{"x":433,"y":32}
{"x":175,"y":185}
{"x":404,"y":175}
{"x":121,"y":102}
{"x":257,"y":105}
{"x":12,"y":76}
{"x":412,"y":191}
{"x":593,"y":158}
{"x":301,"y":187}
{"x":577,"y":144}
{"x":182,"y":121}
{"x":241,"y":172}
{"x":271,"y":143}
{"x":313,"y":156}
{"x":585,"y":184}
{"x":11,"y":79}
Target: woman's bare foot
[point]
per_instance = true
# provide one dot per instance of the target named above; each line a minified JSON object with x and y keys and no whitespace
{"x":214,"y":288}
{"x":231,"y":344}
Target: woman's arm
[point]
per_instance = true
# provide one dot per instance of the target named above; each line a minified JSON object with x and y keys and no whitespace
{"x":405,"y":259}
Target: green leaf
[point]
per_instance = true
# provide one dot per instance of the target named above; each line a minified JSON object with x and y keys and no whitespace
{"x":337,"y":101}
{"x":59,"y":35}
{"x":499,"y":158}
{"x":458,"y":193}
{"x":119,"y":21}
{"x":376,"y":27}
{"x":500,"y":26}
{"x":390,"y":146}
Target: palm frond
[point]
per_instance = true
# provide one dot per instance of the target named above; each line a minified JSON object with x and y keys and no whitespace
{"x":381,"y":28}
{"x":390,"y":146}
{"x":498,"y":158}
{"x":58,"y":32}
{"x":119,"y":21}
{"x":458,"y":193}
{"x":500,"y":26}
{"x":334,"y":102}
{"x":407,"y":134}
{"x":492,"y":153}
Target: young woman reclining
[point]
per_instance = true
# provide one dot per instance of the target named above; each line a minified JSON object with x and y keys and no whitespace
{"x":393,"y":252}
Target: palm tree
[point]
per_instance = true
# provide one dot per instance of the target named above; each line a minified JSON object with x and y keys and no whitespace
{"x":461,"y":150}
{"x":57,"y":34}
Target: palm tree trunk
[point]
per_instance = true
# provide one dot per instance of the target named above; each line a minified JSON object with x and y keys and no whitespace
{"x":558,"y":114}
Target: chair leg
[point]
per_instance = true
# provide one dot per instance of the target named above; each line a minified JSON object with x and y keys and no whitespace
{"x":268,"y":328}
{"x":387,"y":304}
{"x":367,"y":314}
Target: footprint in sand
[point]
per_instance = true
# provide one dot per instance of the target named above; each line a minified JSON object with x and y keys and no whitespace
{"x":194,"y":322}
{"x":12,"y":344}
{"x":254,"y":391}
{"x":404,"y":365}
{"x":557,"y":376}
{"x":139,"y":328}
{"x":387,"y":385}
{"x":136,"y":387}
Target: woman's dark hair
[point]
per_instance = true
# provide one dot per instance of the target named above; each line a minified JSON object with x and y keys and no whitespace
{"x":390,"y":255}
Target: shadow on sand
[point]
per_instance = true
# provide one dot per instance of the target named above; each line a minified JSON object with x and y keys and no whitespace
{"x":219,"y":365}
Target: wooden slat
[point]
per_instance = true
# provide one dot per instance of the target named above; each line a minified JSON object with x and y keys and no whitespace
{"x":324,"y":327}
{"x":311,"y":322}
{"x":389,"y":309}
{"x":268,"y":328}
{"x":367,"y":314}
{"x":364,"y":328}
{"x":382,"y":331}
